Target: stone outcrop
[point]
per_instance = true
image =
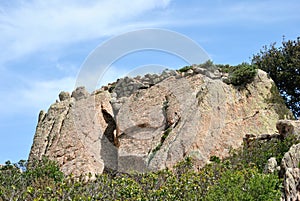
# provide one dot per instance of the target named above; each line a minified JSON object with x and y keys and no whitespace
{"x":71,"y":133}
{"x":64,"y":96}
{"x":152,"y":122}
{"x":290,"y":168}
{"x":80,"y":93}
{"x":271,"y":165}
{"x":288,"y":127}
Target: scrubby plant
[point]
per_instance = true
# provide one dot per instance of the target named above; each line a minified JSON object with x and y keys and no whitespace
{"x":283,"y":64}
{"x":242,"y":74}
{"x":246,"y":184}
{"x":230,"y":179}
{"x":185,"y":69}
{"x":279,"y":104}
{"x":209,"y":65}
{"x":258,"y":152}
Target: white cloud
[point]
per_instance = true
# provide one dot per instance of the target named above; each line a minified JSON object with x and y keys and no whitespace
{"x":34,"y":95}
{"x":39,"y":29}
{"x":38,"y":25}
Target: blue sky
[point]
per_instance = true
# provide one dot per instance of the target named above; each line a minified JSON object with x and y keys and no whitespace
{"x":44,"y":44}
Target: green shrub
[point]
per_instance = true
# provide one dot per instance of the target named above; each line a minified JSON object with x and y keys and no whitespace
{"x":225,"y":68}
{"x":238,"y":177}
{"x":242,"y":74}
{"x":185,"y":69}
{"x":258,"y":153}
{"x":279,"y":104}
{"x":283,"y":64}
{"x":247,"y":184}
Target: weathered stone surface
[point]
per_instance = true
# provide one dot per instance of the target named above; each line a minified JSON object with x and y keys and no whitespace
{"x":271,"y":166}
{"x":152,"y":122}
{"x":290,"y":167}
{"x":80,"y":93}
{"x":288,"y":127}
{"x":72,"y":133}
{"x":64,"y":96}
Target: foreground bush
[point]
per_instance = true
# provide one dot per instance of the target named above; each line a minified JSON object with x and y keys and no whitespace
{"x":239,"y":177}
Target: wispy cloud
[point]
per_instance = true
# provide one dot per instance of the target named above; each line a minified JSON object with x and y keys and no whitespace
{"x":33,"y":96}
{"x":30,"y":26}
{"x":46,"y":29}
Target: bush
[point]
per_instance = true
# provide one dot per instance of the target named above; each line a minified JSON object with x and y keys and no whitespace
{"x":283,"y":64}
{"x":238,"y":177}
{"x":185,"y":69}
{"x":242,"y":74}
{"x":216,"y":181}
{"x":247,"y":184}
{"x":258,"y":153}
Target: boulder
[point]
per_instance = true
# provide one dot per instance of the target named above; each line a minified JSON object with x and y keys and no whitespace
{"x":288,"y":127}
{"x":271,"y":166}
{"x":80,"y":93}
{"x":76,"y":134}
{"x":64,"y":96}
{"x":290,"y":169}
{"x":143,"y":125}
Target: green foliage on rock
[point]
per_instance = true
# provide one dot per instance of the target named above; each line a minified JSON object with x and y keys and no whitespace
{"x":258,"y":152}
{"x":185,"y":69}
{"x":239,"y":75}
{"x":283,"y":66}
{"x":278,"y":104}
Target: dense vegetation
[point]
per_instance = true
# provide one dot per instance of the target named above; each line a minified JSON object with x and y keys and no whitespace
{"x":238,"y":177}
{"x":239,"y":75}
{"x":283,"y":66}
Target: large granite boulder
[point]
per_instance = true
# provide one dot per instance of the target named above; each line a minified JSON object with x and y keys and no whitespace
{"x":72,"y":133}
{"x":150,"y":124}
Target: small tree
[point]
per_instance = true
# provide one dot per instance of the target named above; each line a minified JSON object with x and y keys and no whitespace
{"x":283,"y":66}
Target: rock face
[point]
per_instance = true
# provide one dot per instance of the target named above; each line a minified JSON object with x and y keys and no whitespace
{"x":152,"y":122}
{"x":271,"y":166}
{"x":288,"y":127}
{"x":71,"y":133}
{"x":290,"y":166}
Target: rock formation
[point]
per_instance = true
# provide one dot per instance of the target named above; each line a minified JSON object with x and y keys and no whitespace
{"x":152,"y":122}
{"x":288,"y":127}
{"x":290,"y":166}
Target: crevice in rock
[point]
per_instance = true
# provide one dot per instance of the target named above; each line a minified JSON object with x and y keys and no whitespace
{"x":251,"y":116}
{"x":201,"y":94}
{"x":51,"y":138}
{"x":48,"y":139}
{"x":109,"y":143}
{"x":165,"y":110}
{"x":42,"y":116}
{"x":63,"y":121}
{"x":169,"y":126}
{"x":111,"y":130}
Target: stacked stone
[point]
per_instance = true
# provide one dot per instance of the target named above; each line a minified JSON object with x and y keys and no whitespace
{"x":127,"y":86}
